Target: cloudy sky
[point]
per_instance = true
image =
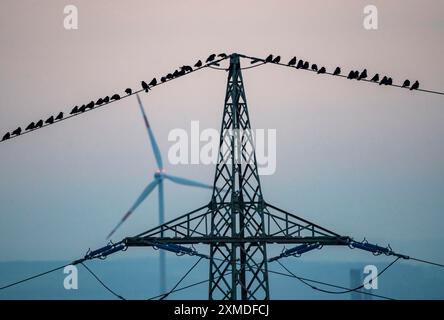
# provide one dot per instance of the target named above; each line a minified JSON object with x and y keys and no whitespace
{"x":361,"y":159}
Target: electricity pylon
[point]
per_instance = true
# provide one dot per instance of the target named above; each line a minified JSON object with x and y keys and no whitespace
{"x":237,"y":224}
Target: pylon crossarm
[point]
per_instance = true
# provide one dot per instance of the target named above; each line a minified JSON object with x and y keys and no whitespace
{"x":283,"y":223}
{"x":149,"y":241}
{"x":192,"y":223}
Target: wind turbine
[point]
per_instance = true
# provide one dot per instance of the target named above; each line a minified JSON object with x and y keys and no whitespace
{"x":159,"y":177}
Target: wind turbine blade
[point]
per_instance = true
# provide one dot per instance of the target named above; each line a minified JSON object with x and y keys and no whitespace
{"x":139,"y":200}
{"x":187,"y":182}
{"x":154,"y":145}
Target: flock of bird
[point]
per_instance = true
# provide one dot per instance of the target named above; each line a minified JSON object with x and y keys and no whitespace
{"x":353,"y":74}
{"x":211,"y":60}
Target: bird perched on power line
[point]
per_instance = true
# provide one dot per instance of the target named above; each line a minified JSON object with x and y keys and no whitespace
{"x":277,"y":59}
{"x":30,"y":126}
{"x":59,"y":116}
{"x":415,"y":86}
{"x":115,"y":97}
{"x":292,"y":62}
{"x":363,"y":74}
{"x":322,"y":70}
{"x":351,"y":75}
{"x":106,"y":99}
{"x":39,"y":124}
{"x":6,"y":136}
{"x":182,"y":71}
{"x":383,"y":81}
{"x":337,"y":71}
{"x":389,"y":81}
{"x":99,"y":101}
{"x":198,"y":64}
{"x":375,"y":78}
{"x":306,"y":65}
{"x":269,"y":58}
{"x":128,"y":91}
{"x":163,"y":79}
{"x":50,"y":120}
{"x":300,"y":64}
{"x":187,"y":69}
{"x":210,"y":58}
{"x":153,"y":82}
{"x":82,"y":108}
{"x":175,"y":73}
{"x":74,"y":110}
{"x":169,"y":76}
{"x":314,"y":67}
{"x":145,"y":86}
{"x":17,"y":131}
{"x":90,"y":105}
{"x":406,"y":83}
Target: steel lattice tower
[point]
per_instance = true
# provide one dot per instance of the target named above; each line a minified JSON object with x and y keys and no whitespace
{"x":237,"y":203}
{"x":237,"y":224}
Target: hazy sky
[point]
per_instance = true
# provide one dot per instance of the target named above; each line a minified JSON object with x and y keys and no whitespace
{"x":363,"y":160}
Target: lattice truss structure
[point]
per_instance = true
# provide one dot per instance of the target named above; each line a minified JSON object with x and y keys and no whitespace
{"x":237,"y":224}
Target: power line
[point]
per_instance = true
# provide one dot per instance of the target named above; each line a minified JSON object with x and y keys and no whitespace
{"x":112,"y":101}
{"x":33,"y":277}
{"x":181,"y":279}
{"x":338,"y":292}
{"x":332,"y":74}
{"x":102,"y":283}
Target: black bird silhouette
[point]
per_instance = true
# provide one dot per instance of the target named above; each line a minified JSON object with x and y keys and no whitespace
{"x":292,"y":62}
{"x":306,"y":65}
{"x":277,"y":59}
{"x":337,"y":71}
{"x":363,"y":74}
{"x":222,"y":55}
{"x":17,"y":131}
{"x":406,"y":83}
{"x":6,"y":136}
{"x":90,"y":105}
{"x":314,"y":67}
{"x":269,"y":58}
{"x":145,"y":86}
{"x":106,"y":99}
{"x":198,"y":64}
{"x":255,"y":61}
{"x":153,"y":82}
{"x":383,"y":81}
{"x":74,"y":110}
{"x":322,"y":70}
{"x":375,"y":78}
{"x":163,"y":79}
{"x":115,"y":97}
{"x":351,"y":75}
{"x":210,"y":58}
{"x":82,"y":108}
{"x":30,"y":126}
{"x":389,"y":81}
{"x":50,"y":120}
{"x":128,"y":91}
{"x":187,"y":68}
{"x":300,"y":64}
{"x":182,"y":72}
{"x":39,"y":124}
{"x":59,"y":116}
{"x":99,"y":101}
{"x":415,"y":86}
{"x":175,"y":73}
{"x":169,"y":76}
